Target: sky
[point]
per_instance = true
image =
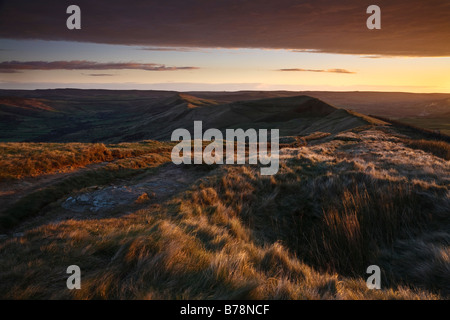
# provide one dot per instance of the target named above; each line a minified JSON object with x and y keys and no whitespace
{"x":226,"y":45}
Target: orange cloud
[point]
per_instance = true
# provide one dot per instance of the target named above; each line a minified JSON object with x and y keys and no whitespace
{"x":319,"y":70}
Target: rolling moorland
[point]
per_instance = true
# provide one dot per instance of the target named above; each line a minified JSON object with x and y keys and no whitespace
{"x":86,"y":178}
{"x":70,"y":115}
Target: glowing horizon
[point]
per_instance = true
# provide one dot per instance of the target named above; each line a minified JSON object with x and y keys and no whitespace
{"x":218,"y":69}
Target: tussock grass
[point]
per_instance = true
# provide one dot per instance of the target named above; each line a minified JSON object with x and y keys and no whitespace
{"x":336,"y":223}
{"x":438,"y":148}
{"x":157,"y":254}
{"x":308,"y":232}
{"x":31,"y":204}
{"x":316,"y":136}
{"x":19,"y":160}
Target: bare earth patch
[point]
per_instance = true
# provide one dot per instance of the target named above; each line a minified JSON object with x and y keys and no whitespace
{"x":168,"y":181}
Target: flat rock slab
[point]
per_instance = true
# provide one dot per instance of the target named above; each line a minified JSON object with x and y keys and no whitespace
{"x":106,"y":198}
{"x":166,"y":182}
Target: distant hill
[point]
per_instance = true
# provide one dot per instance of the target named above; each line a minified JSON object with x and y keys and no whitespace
{"x":116,"y":116}
{"x":427,"y":110}
{"x":387,"y":104}
{"x":18,"y":104}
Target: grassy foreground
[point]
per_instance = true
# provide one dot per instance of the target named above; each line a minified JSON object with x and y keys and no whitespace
{"x":38,"y":161}
{"x":308,"y":232}
{"x":20,"y":159}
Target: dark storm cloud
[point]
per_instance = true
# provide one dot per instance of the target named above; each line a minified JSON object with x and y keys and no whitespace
{"x":318,"y":70}
{"x":17,"y":66}
{"x":409,"y":28}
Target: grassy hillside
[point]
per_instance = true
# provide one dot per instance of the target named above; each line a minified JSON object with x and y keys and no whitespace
{"x":352,"y":191}
{"x":19,"y":160}
{"x":34,"y":175}
{"x":69,"y":115}
{"x":349,"y":200}
{"x":441,"y":124}
{"x":73,"y":115}
{"x":386,"y":104}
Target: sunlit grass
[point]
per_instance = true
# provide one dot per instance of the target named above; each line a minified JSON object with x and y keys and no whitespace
{"x":308,"y":232}
{"x":19,"y":160}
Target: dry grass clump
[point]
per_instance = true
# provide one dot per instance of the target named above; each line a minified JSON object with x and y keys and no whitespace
{"x":316,"y":136}
{"x":18,"y":160}
{"x":422,"y":260}
{"x":438,"y":148}
{"x":340,"y":222}
{"x":169,"y":252}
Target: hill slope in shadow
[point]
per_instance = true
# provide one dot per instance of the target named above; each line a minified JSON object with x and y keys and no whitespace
{"x":119,"y":117}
